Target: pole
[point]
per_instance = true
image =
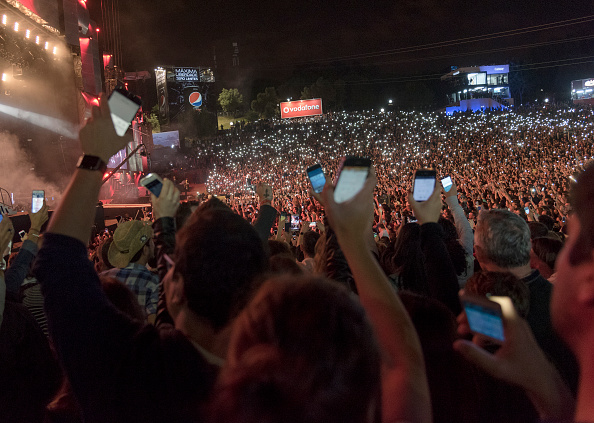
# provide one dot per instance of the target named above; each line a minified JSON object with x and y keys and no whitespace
{"x":128,"y":157}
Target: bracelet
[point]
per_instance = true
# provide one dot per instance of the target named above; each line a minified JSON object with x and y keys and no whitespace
{"x":37,"y":235}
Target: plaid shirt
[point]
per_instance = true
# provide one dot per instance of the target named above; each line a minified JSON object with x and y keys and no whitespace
{"x":140,"y":280}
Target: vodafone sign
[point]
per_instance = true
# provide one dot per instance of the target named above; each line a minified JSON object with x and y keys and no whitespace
{"x":293,"y":109}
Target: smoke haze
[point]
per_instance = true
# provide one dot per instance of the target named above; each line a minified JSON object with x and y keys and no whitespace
{"x":17,"y":173}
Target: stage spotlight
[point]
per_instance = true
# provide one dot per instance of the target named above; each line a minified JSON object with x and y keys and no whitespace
{"x":16,"y":27}
{"x":37,"y":40}
{"x":47,"y":45}
{"x":28,"y":34}
{"x":4,"y":77}
{"x":4,"y":20}
{"x":54,"y":125}
{"x":55,"y":50}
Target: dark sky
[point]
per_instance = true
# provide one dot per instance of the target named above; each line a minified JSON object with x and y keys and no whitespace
{"x":274,"y":36}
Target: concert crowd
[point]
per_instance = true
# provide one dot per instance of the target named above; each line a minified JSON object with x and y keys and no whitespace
{"x":265,"y":302}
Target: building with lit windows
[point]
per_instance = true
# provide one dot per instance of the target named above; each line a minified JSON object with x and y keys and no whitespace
{"x":477,"y":87}
{"x":582,"y":91}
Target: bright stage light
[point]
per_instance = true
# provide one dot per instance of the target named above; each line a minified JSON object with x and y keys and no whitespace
{"x":54,"y":125}
{"x":28,"y":34}
{"x":4,"y":77}
{"x":55,"y":50}
{"x":4,"y":19}
{"x":37,"y":40}
{"x":47,"y":45}
{"x":16,"y":26}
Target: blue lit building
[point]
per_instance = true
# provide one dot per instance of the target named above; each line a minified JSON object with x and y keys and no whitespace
{"x":477,"y":87}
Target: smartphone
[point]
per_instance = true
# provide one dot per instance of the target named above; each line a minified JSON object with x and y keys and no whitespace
{"x":484,"y":317}
{"x":316,"y":177}
{"x":526,"y":210}
{"x":153,"y":183}
{"x":352,"y":173}
{"x":37,"y":200}
{"x":424,"y":184}
{"x":312,"y":225}
{"x":446,"y":183}
{"x":295,"y":222}
{"x":22,"y":234}
{"x":123,"y":106}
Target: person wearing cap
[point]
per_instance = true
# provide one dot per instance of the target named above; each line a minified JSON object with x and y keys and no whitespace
{"x":131,"y":249}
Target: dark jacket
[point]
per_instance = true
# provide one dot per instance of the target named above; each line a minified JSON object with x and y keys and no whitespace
{"x":120,"y":370}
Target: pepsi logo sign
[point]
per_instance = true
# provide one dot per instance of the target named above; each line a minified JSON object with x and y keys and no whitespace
{"x":195,"y":99}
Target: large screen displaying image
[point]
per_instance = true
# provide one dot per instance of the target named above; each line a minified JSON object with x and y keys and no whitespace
{"x":166,"y":139}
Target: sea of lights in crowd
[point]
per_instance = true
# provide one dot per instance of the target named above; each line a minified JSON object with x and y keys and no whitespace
{"x":516,"y":150}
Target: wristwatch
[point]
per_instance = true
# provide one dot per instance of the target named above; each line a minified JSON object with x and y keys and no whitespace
{"x":91,"y":163}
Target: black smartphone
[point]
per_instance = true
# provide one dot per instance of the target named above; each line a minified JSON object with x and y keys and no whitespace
{"x":424,"y":184}
{"x":153,"y":183}
{"x":316,"y":177}
{"x":123,"y":106}
{"x":484,"y":316}
{"x":352,"y":173}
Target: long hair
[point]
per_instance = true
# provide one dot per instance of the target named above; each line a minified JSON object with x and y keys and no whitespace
{"x":408,"y":261}
{"x":302,"y":351}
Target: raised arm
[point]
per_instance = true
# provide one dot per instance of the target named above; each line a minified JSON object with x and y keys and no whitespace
{"x":405,"y":391}
{"x":521,"y":362}
{"x":89,"y":334}
{"x":15,"y":275}
{"x":164,"y":208}
{"x":460,"y":220}
{"x":441,"y":275}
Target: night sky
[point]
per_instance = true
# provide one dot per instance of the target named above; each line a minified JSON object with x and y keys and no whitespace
{"x":274,"y":37}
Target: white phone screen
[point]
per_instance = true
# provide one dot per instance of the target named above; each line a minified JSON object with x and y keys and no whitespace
{"x":423,"y":188}
{"x":350,"y":182}
{"x":122,"y":111}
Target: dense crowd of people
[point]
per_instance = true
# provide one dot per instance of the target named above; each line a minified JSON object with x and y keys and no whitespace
{"x":269,"y":302}
{"x":526,"y":155}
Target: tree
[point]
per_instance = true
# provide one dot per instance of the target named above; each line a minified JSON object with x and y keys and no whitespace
{"x":324,"y":89}
{"x":196,"y":124}
{"x":266,"y":103}
{"x":230,"y":100}
{"x":153,"y":118}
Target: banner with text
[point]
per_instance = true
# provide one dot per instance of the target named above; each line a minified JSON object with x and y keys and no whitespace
{"x":301,"y":108}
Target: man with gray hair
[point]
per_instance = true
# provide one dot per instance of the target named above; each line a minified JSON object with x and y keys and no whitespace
{"x":502,"y":244}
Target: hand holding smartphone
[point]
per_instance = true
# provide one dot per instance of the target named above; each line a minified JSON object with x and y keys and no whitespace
{"x":353,"y":172}
{"x":424,"y":184}
{"x":484,"y":316}
{"x":123,"y":106}
{"x":316,"y":178}
{"x":153,"y":183}
{"x":37,"y":200}
{"x":446,"y":183}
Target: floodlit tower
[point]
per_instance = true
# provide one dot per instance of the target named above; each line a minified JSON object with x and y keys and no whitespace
{"x":235,"y":55}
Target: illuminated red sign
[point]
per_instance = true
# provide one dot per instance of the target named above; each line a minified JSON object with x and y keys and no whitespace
{"x":301,"y":108}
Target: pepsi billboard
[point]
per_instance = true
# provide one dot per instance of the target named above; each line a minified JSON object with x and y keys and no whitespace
{"x":180,"y":89}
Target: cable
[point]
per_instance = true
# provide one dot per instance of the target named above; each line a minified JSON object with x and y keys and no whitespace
{"x":447,"y":56}
{"x":466,"y":40}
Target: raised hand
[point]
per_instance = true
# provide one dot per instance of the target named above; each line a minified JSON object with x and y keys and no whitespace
{"x":167,"y":203}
